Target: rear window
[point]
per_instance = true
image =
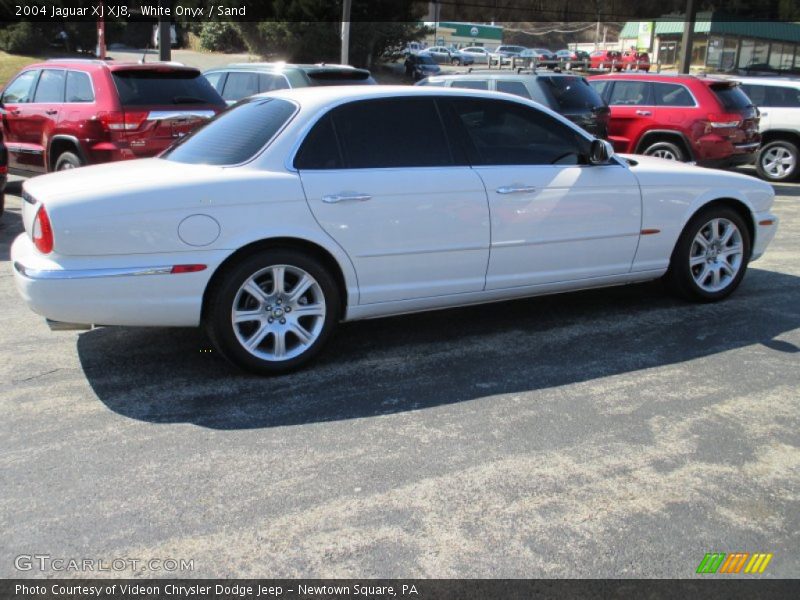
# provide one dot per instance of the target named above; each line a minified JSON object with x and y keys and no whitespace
{"x":142,"y":88}
{"x":234,"y":136}
{"x":340,"y":78}
{"x":572,"y":93}
{"x":731,"y":97}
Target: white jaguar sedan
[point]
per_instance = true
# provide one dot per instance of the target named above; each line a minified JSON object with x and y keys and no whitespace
{"x":302,"y":208}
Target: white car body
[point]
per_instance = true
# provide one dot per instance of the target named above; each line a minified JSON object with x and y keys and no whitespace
{"x":479,"y":53}
{"x":429,"y":237}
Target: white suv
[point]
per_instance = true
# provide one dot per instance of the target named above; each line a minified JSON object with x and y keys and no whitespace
{"x":778,"y":100}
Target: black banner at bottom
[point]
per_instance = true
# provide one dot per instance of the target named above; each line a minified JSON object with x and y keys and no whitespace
{"x":414,"y":589}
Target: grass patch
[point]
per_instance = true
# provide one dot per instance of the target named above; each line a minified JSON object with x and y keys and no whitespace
{"x":10,"y":64}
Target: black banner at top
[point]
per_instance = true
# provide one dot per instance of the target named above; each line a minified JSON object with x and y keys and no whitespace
{"x":392,"y":10}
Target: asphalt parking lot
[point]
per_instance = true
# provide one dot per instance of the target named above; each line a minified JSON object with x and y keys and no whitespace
{"x":612,"y":433}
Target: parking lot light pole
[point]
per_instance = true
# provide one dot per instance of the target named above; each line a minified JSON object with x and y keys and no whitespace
{"x":164,"y":33}
{"x":686,"y":40}
{"x":345,"y":58}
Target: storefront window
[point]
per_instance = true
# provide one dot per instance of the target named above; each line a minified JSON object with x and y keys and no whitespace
{"x":728,"y":61}
{"x":699,"y":51}
{"x":746,"y":53}
{"x":714,"y":55}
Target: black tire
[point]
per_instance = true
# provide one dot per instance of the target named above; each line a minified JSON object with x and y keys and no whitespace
{"x":666,"y":150}
{"x":681,"y":280}
{"x":68,"y":160}
{"x":225,"y":297}
{"x":456,"y":62}
{"x":785,"y":148}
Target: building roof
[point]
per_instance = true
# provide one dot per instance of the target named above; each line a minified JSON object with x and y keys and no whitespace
{"x":708,"y":23}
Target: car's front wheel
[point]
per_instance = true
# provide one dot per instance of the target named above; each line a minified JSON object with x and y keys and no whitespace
{"x":455,"y":61}
{"x":777,"y":161}
{"x":272,"y":312}
{"x":711,"y":256}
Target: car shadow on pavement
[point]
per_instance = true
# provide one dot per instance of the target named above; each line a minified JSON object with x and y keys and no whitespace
{"x":414,"y":362}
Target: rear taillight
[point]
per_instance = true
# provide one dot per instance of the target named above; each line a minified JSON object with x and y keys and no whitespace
{"x":3,"y":170}
{"x":122,"y":121}
{"x":722,"y":121}
{"x":42,"y":232}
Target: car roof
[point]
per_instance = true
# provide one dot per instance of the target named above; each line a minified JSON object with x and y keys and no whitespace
{"x":97,"y":65}
{"x":781,"y":81}
{"x":662,"y":77}
{"x":499,"y":74}
{"x":282,"y":66}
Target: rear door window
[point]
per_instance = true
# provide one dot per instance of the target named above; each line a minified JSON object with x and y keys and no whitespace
{"x":140,"y":87}
{"x":50,"y":88}
{"x":79,"y":87}
{"x":783,"y":97}
{"x":471,"y":84}
{"x":670,"y":94}
{"x":20,"y":90}
{"x":215,"y":79}
{"x":267,"y":82}
{"x":390,"y":133}
{"x":631,"y":93}
{"x":234,"y":136}
{"x":513,"y":87}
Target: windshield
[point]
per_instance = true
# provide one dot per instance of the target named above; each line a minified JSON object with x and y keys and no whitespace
{"x":139,"y":87}
{"x":343,"y":77}
{"x":235,"y":135}
{"x":573,"y":93}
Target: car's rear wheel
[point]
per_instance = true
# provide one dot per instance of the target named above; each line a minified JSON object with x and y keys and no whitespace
{"x":664,"y":149}
{"x":455,"y":61}
{"x":711,"y":256}
{"x":777,"y":161}
{"x":68,"y":160}
{"x":272,"y":312}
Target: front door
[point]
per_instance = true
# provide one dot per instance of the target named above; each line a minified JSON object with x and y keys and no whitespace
{"x":554,"y":217}
{"x":382,"y":179}
{"x":18,"y":121}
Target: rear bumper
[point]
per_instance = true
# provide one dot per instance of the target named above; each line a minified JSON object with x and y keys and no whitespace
{"x":744,"y":158}
{"x":105,"y":291}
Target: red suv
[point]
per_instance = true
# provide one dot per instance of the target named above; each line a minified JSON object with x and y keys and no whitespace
{"x":681,"y":117}
{"x":633,"y":60}
{"x":605,"y":59}
{"x":63,"y":114}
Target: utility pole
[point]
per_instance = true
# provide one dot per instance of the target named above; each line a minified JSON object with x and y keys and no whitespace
{"x":686,"y":40}
{"x":346,"y":5}
{"x":101,"y":33}
{"x":164,"y":34}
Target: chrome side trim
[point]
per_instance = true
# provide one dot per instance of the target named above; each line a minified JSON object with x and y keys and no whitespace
{"x":89,"y":273}
{"x":156,"y":115}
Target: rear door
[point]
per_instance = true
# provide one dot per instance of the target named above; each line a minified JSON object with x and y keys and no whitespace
{"x":18,"y":127}
{"x":383,"y":180}
{"x":46,"y":110}
{"x":632,"y":113}
{"x":163,"y":104}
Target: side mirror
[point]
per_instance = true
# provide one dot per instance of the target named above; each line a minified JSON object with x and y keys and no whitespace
{"x":600,"y":152}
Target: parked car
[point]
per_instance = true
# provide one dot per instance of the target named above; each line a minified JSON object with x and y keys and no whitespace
{"x":479,"y":54}
{"x":63,"y":114}
{"x":539,"y":57}
{"x":419,"y":66}
{"x":3,"y":175}
{"x":633,"y":60}
{"x":301,"y":208}
{"x":680,"y":117}
{"x":606,"y":59}
{"x":446,"y":56}
{"x":778,"y":101}
{"x":504,"y":54}
{"x":568,"y":95}
{"x":240,"y":80}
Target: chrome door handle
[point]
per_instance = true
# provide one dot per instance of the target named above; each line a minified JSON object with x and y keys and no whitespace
{"x":344,"y":196}
{"x":51,"y":112}
{"x":644,"y":113}
{"x":515,"y":189}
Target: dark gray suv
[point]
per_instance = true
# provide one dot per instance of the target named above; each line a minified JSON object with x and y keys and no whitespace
{"x":567,"y":94}
{"x":241,"y":80}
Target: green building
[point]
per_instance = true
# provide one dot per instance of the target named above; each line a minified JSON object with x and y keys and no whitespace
{"x":719,"y":44}
{"x":461,"y":35}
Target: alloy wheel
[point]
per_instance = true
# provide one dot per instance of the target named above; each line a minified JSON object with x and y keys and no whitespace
{"x":278,"y":313}
{"x":716,"y":255}
{"x":778,"y":162}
